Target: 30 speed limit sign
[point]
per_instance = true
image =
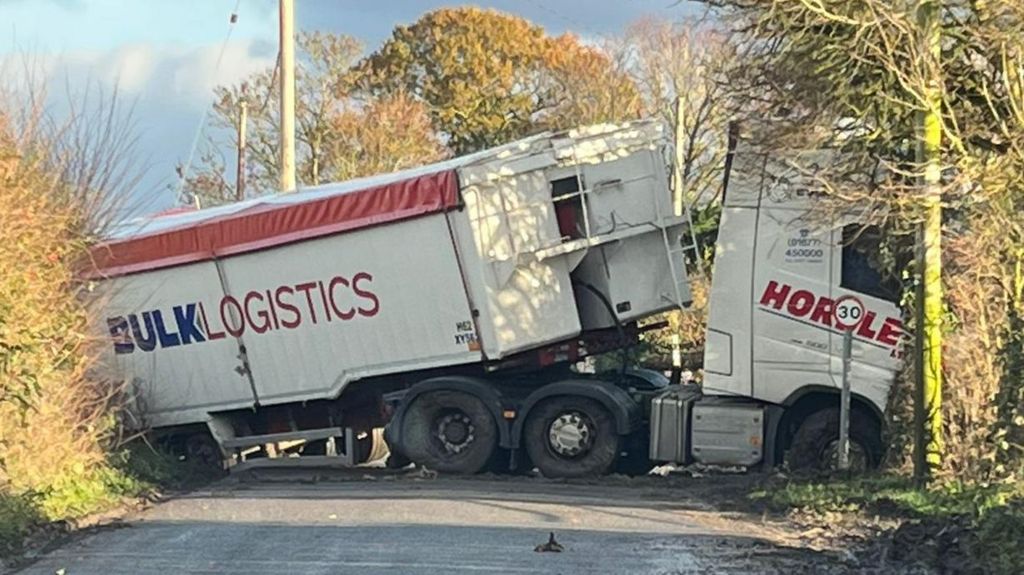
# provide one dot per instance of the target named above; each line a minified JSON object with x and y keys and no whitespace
{"x":848,"y":312}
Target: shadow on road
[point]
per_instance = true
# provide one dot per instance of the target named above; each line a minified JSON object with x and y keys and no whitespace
{"x":649,"y":492}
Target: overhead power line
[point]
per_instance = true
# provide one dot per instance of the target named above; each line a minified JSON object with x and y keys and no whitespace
{"x":184,"y":172}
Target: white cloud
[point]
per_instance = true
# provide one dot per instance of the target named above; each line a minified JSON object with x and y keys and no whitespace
{"x":131,"y":68}
{"x":143,"y":71}
{"x":195,"y":74}
{"x":169,"y":88}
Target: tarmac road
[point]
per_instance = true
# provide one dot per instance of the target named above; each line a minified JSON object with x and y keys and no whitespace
{"x":308,"y":522}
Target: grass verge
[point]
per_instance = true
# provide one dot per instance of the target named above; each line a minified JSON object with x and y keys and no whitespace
{"x":131,"y":473}
{"x":984,"y":525}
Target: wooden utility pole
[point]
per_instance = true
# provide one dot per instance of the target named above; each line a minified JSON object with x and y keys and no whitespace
{"x":287,"y":43}
{"x":928,"y":403}
{"x":243,"y":118}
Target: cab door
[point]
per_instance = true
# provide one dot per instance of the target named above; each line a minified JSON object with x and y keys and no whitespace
{"x":793,"y":261}
{"x":791,"y":331}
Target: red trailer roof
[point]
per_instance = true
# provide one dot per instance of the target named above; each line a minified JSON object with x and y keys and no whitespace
{"x":275,"y":220}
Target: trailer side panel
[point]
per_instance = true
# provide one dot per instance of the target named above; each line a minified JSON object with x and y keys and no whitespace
{"x":381,"y":300}
{"x":289,"y":323}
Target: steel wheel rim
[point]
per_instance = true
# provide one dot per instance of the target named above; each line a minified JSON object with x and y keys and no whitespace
{"x":455,"y":432}
{"x":570,"y":434}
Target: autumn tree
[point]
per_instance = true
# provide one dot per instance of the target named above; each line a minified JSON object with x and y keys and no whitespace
{"x":678,"y":67}
{"x":382,"y":135}
{"x":207,"y":184}
{"x":335,"y":123}
{"x":587,"y":85}
{"x":488,"y":77}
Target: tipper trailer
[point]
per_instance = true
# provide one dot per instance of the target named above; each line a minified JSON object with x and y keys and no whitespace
{"x":450,"y":303}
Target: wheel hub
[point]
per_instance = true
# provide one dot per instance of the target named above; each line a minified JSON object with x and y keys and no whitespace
{"x":570,"y":434}
{"x":455,"y":432}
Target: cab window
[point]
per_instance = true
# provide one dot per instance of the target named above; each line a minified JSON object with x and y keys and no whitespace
{"x":862,"y":264}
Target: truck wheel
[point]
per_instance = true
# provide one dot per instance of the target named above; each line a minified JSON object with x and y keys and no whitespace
{"x":396,"y":461}
{"x":449,"y":431}
{"x":571,"y":437}
{"x":815,"y":445}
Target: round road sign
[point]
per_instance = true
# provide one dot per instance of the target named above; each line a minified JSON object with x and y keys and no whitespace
{"x":848,"y":312}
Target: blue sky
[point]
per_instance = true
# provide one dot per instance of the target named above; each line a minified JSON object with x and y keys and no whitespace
{"x":162,"y":54}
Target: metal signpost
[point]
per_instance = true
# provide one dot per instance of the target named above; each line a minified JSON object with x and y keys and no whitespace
{"x":847,"y":312}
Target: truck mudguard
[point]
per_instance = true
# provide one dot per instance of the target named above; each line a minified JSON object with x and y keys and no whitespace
{"x":479,"y":388}
{"x":855,"y":398}
{"x":624,"y":409}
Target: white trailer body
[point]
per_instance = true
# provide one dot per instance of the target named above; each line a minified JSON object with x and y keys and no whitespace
{"x":310,"y":316}
{"x":290,"y":298}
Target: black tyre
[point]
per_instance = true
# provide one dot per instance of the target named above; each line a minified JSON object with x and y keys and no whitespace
{"x":201,"y":449}
{"x":449,"y":431}
{"x":396,"y":461}
{"x":815,"y":443}
{"x":571,"y":437}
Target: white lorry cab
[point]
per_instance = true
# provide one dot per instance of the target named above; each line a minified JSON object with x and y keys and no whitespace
{"x":772,"y":334}
{"x":450,"y":303}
